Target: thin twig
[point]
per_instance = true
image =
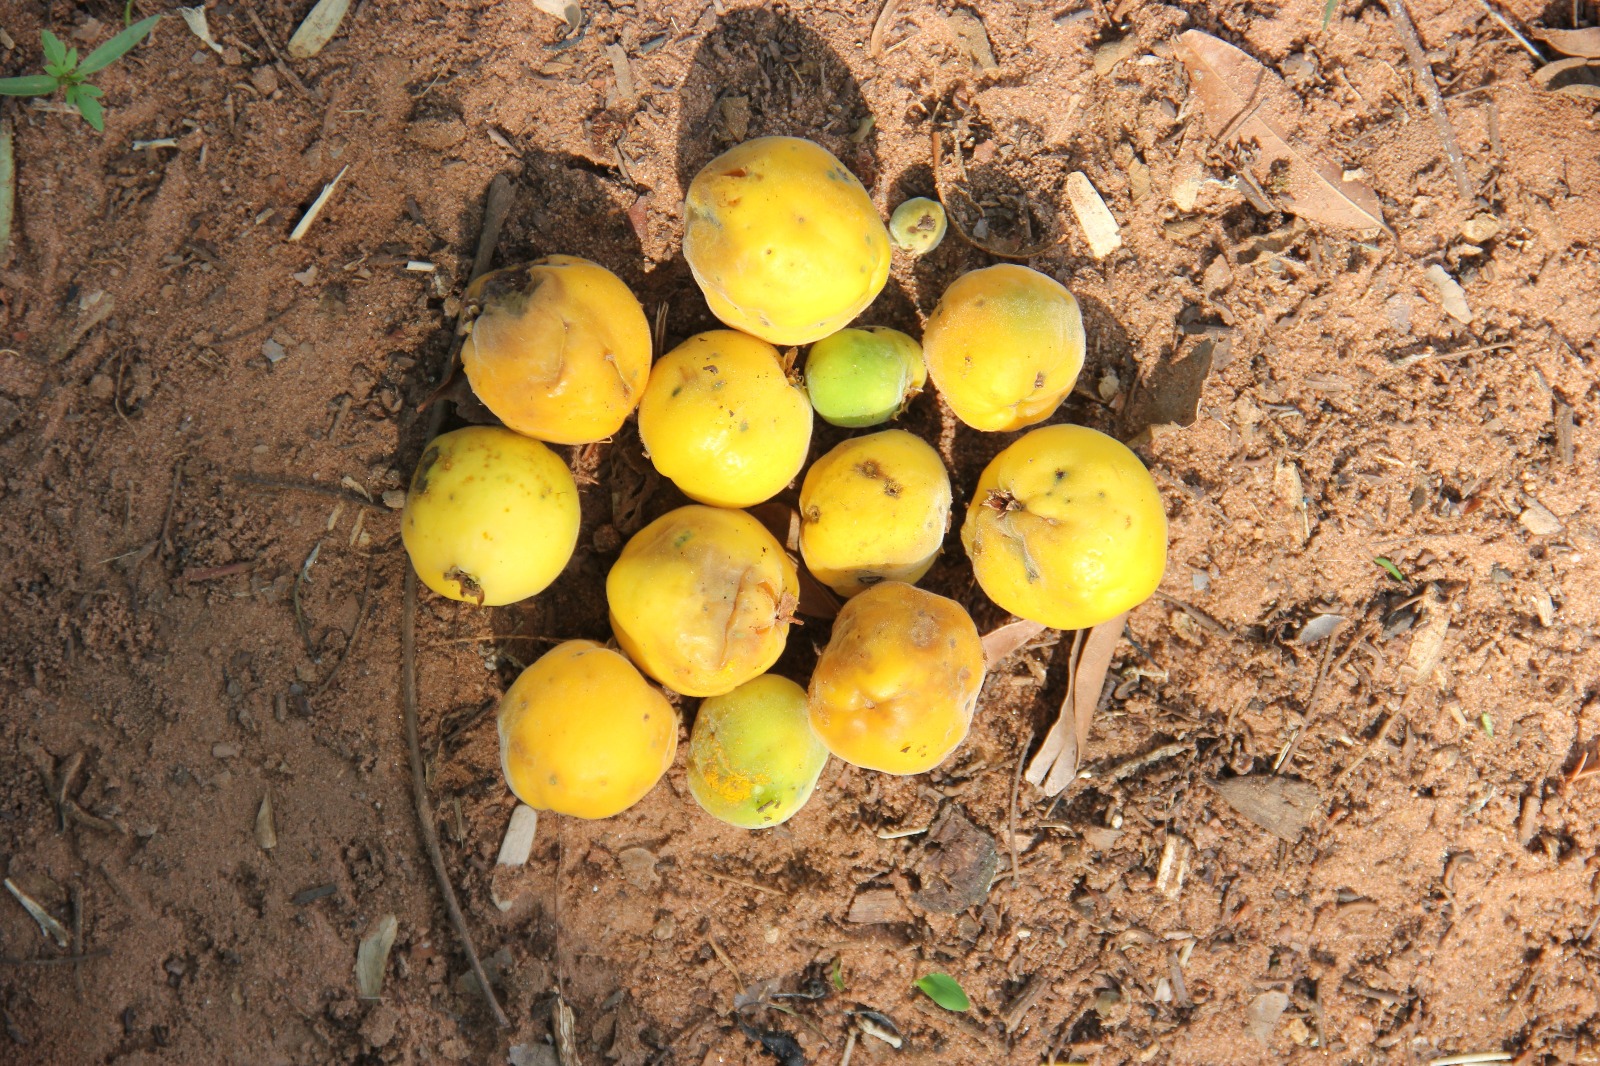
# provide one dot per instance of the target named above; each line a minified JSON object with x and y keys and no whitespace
{"x":1384,"y":996}
{"x":741,"y":882}
{"x":1430,"y":92}
{"x":1532,"y":51}
{"x":274,"y":484}
{"x":55,"y":960}
{"x":1011,"y":813}
{"x":355,"y":630}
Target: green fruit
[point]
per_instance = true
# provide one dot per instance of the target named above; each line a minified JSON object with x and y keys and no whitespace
{"x":918,"y":225}
{"x":862,"y":377}
{"x":753,"y":759}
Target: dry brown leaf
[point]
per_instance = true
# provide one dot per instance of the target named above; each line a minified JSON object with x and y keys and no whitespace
{"x":1058,"y":758}
{"x":1242,"y":100}
{"x":1584,"y":43}
{"x":1570,"y":77}
{"x":1000,"y":643}
{"x":1283,"y":806}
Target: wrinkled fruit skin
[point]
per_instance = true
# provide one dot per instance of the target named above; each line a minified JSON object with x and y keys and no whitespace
{"x":783,"y":240}
{"x":895,"y":688}
{"x":918,"y":225}
{"x":491,"y":517}
{"x":721,"y":419}
{"x":560,"y":349}
{"x":864,"y":377}
{"x":583,"y":733}
{"x":1067,"y":528}
{"x":753,"y":759}
{"x":875,"y":508}
{"x":1004,"y":347}
{"x":701,"y":599}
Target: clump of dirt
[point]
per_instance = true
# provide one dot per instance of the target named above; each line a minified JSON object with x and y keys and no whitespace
{"x":204,"y":428}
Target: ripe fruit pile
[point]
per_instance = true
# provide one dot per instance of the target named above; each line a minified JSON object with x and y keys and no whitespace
{"x":1065,"y":527}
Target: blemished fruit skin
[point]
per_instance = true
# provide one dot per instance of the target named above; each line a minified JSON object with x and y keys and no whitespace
{"x":896,"y":686}
{"x":918,"y":225}
{"x":864,"y":377}
{"x":559,"y":349}
{"x":753,"y":759}
{"x":1004,"y":347}
{"x":583,"y":733}
{"x":783,"y":240}
{"x":1066,"y":527}
{"x":491,"y":516}
{"x":721,"y":419}
{"x":874,"y":508}
{"x":701,"y":599}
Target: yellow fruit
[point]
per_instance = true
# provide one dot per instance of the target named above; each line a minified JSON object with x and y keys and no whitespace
{"x":702,"y":598}
{"x":721,"y":419}
{"x":753,"y":759}
{"x":491,"y":518}
{"x":875,"y":508}
{"x":1066,"y":528}
{"x":895,"y":688}
{"x":582,"y":733}
{"x":783,"y":240}
{"x":559,"y":349}
{"x":1004,"y":347}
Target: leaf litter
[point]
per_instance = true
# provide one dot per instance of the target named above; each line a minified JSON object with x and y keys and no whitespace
{"x":1059,"y":756}
{"x":1241,"y":101}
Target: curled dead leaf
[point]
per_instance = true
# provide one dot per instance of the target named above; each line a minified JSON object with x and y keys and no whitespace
{"x":1570,"y":77}
{"x":1584,"y":43}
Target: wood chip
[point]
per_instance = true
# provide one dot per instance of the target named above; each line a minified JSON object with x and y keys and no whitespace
{"x":318,"y":28}
{"x":622,"y":69}
{"x":266,"y":828}
{"x":1263,"y":1014}
{"x":877,"y":906}
{"x":1427,"y":644}
{"x":1109,"y":54}
{"x":1564,"y":433}
{"x":1539,"y":520}
{"x":1242,"y":101}
{"x":518,"y":842}
{"x":973,"y":38}
{"x":1319,"y":628}
{"x":1451,"y":295}
{"x":1094,"y":217}
{"x":47,"y":924}
{"x":1173,"y":867}
{"x":317,"y":205}
{"x":1283,"y":806}
{"x":372,"y":957}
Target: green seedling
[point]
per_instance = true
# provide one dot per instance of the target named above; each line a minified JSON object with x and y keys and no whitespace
{"x":943,"y":990}
{"x":63,"y":71}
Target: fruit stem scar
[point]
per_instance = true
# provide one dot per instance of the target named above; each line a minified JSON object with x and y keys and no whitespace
{"x":1003,"y":501}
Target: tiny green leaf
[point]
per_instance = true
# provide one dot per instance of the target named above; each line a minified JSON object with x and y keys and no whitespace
{"x":127,"y":14}
{"x":28,"y":85}
{"x":71,"y":95}
{"x":1393,"y":570}
{"x":91,"y":90}
{"x":71,"y":62}
{"x":54,"y":51}
{"x":93,"y":113}
{"x":118,"y":46}
{"x":943,"y":990}
{"x":1327,"y":12}
{"x":836,"y":973}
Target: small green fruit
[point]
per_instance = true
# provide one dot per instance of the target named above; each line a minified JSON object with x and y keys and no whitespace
{"x":862,"y":377}
{"x":753,"y":759}
{"x":918,"y":225}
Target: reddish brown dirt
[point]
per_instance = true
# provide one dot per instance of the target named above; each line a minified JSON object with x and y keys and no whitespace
{"x":149,"y":595}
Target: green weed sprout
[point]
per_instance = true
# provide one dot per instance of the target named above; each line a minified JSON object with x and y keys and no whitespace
{"x":63,"y":71}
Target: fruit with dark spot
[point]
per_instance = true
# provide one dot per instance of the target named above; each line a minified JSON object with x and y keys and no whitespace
{"x":582,"y":733}
{"x":918,"y":225}
{"x":491,"y":517}
{"x":701,"y":599}
{"x":721,"y":419}
{"x":863,"y":377}
{"x":559,"y":348}
{"x":1004,"y":347}
{"x":896,"y":686}
{"x":753,"y":759}
{"x":1066,"y":527}
{"x":875,"y":508}
{"x":783,"y":240}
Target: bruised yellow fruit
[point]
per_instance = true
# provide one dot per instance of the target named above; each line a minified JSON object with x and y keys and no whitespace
{"x":491,"y":518}
{"x":895,"y":688}
{"x":1066,"y":528}
{"x":753,"y":759}
{"x":783,"y":240}
{"x":702,"y":599}
{"x":721,"y":419}
{"x":582,"y":733}
{"x":873,"y":509}
{"x":559,"y":349}
{"x":1004,"y":347}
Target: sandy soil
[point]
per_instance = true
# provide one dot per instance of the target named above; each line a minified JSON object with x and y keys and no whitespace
{"x":202,"y":609}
